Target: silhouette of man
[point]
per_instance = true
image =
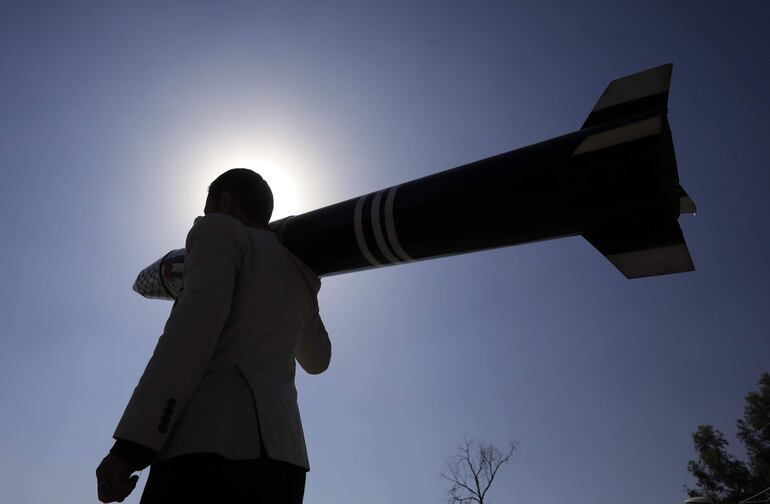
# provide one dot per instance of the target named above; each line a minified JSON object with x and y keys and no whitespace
{"x":215,"y":413}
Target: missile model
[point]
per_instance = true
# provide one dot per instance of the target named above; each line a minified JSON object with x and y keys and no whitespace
{"x":614,"y":181}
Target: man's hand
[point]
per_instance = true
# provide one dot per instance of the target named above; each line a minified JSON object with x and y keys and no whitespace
{"x":113,"y":479}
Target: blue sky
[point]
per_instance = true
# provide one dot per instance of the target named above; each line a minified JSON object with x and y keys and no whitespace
{"x":116,"y":116}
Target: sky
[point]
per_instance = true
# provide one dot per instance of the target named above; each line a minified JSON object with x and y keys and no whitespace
{"x":115,"y":116}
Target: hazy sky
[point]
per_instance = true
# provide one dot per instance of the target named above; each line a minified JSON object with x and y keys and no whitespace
{"x":115,"y":116}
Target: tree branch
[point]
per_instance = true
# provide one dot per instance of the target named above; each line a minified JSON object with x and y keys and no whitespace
{"x":479,"y":460}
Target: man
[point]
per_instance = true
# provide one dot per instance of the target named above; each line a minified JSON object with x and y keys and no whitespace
{"x":215,"y":412}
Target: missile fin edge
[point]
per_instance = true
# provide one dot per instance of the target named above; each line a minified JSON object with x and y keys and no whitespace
{"x":642,"y":92}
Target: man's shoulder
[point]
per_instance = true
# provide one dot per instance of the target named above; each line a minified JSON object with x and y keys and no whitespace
{"x":219,"y":227}
{"x":216,"y":221}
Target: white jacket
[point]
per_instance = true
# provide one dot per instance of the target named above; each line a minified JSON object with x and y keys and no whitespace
{"x":221,"y":379}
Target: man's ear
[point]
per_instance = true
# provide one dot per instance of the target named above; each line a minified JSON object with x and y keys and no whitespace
{"x":226,"y":203}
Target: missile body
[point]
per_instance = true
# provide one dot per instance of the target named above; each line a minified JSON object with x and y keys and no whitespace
{"x":614,"y":182}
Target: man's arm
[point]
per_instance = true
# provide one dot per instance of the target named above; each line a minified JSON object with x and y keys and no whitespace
{"x":135,"y":455}
{"x":215,"y":246}
{"x":314,"y":350}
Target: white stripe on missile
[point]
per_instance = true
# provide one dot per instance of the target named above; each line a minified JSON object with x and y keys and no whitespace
{"x":623,"y":134}
{"x":359,"y":229}
{"x":390,"y":225}
{"x":377,"y":227}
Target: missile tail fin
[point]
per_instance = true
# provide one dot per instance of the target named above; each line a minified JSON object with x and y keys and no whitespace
{"x":640,"y":93}
{"x":686,"y":204}
{"x":644,"y":248}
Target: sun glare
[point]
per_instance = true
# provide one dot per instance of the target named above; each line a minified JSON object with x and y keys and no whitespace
{"x":283,"y":180}
{"x":282,"y":184}
{"x":279,"y":165}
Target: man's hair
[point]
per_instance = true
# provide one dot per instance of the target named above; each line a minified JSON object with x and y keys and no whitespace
{"x":249,"y":188}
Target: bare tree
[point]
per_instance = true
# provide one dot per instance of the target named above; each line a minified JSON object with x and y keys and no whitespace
{"x":472,"y":469}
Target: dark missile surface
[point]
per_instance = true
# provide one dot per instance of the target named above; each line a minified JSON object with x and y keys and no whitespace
{"x":614,"y":181}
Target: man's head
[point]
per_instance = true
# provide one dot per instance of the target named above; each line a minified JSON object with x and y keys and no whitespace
{"x":242,"y":194}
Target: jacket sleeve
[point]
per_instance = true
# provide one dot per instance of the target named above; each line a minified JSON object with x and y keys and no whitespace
{"x":135,"y":455}
{"x":215,"y":247}
{"x":314,"y":350}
